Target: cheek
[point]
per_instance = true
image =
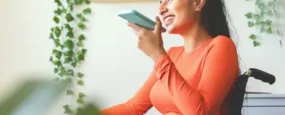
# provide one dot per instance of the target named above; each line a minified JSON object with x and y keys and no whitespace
{"x":184,"y":17}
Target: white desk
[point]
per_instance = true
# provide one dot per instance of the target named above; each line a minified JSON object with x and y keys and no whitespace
{"x":264,"y":104}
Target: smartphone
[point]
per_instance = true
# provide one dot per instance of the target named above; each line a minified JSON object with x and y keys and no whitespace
{"x":135,"y":17}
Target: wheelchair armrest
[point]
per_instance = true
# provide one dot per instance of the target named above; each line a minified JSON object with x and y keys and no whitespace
{"x":261,"y":75}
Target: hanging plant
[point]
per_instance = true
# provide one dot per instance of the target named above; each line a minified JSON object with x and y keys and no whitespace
{"x":69,"y":52}
{"x":262,"y":19}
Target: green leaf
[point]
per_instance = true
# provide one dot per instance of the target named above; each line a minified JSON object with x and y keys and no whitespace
{"x":262,"y":23}
{"x":80,"y":82}
{"x":81,"y":25}
{"x":58,"y":11}
{"x":58,"y":2}
{"x":69,"y":92}
{"x":51,"y":36}
{"x":70,"y":4}
{"x":56,"y":79}
{"x":81,"y":17}
{"x":252,"y":36}
{"x":262,"y":29}
{"x":87,"y":11}
{"x":68,"y":53}
{"x":54,"y":51}
{"x":80,"y":44}
{"x":78,"y":2}
{"x":257,"y":23}
{"x":67,"y":26}
{"x":57,"y":42}
{"x":69,"y":17}
{"x":66,"y":106}
{"x":67,"y":109}
{"x":74,"y":64}
{"x":61,"y":74}
{"x":69,"y":44}
{"x":81,"y":95}
{"x":261,"y":5}
{"x":57,"y":63}
{"x":81,"y":37}
{"x":256,"y":43}
{"x":87,"y":2}
{"x":71,"y":7}
{"x":52,"y":29}
{"x":81,"y":55}
{"x":248,"y":15}
{"x":55,"y":70}
{"x":57,"y":54}
{"x":64,"y":10}
{"x":84,"y":51}
{"x":80,"y":101}
{"x":68,"y":80}
{"x":70,"y":34}
{"x":250,"y":24}
{"x":51,"y":59}
{"x":62,"y":69}
{"x":257,"y":16}
{"x":268,"y":22}
{"x":80,"y":75}
{"x":80,"y":110}
{"x":70,"y":72}
{"x":262,"y":13}
{"x":67,"y":60}
{"x":57,"y":31}
{"x":269,"y":30}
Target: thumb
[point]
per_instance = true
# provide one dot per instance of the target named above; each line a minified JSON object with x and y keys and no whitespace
{"x":158,"y":26}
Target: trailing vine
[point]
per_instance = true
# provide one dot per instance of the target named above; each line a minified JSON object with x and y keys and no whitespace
{"x":262,"y":19}
{"x":70,"y":17}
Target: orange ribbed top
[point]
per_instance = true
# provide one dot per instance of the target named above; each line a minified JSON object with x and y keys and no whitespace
{"x":195,"y":83}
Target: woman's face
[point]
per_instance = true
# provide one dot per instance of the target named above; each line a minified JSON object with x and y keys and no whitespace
{"x":178,"y":15}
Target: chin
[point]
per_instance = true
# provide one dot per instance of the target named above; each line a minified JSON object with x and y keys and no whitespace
{"x":172,"y":30}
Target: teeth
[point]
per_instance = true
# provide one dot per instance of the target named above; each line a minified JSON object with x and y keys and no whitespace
{"x":168,"y":18}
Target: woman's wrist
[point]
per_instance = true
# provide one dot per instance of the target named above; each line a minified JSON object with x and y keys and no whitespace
{"x":158,"y":55}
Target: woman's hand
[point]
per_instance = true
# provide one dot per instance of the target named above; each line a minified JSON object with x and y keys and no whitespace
{"x":150,"y":42}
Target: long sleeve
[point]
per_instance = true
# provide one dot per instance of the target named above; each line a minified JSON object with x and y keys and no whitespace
{"x":138,"y":105}
{"x":220,"y":70}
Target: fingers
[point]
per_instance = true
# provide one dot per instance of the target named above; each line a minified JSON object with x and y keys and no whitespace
{"x":140,"y":31}
{"x":158,"y":26}
{"x":134,"y":26}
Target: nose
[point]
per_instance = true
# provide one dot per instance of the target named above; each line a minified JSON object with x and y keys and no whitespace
{"x":163,"y":7}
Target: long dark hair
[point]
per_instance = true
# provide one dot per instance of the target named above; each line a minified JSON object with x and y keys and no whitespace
{"x":214,"y":20}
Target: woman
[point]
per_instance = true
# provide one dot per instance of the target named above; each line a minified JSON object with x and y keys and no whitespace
{"x":194,"y":79}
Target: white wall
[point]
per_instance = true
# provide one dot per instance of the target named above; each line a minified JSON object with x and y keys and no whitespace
{"x":25,"y":48}
{"x":114,"y":67}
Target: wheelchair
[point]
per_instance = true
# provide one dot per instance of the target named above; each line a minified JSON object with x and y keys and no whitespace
{"x":237,"y":95}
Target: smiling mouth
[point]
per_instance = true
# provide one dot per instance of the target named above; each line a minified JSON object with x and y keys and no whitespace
{"x":169,"y":19}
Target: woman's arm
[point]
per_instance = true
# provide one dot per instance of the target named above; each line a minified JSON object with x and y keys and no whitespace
{"x":138,"y":105}
{"x":219,"y":73}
